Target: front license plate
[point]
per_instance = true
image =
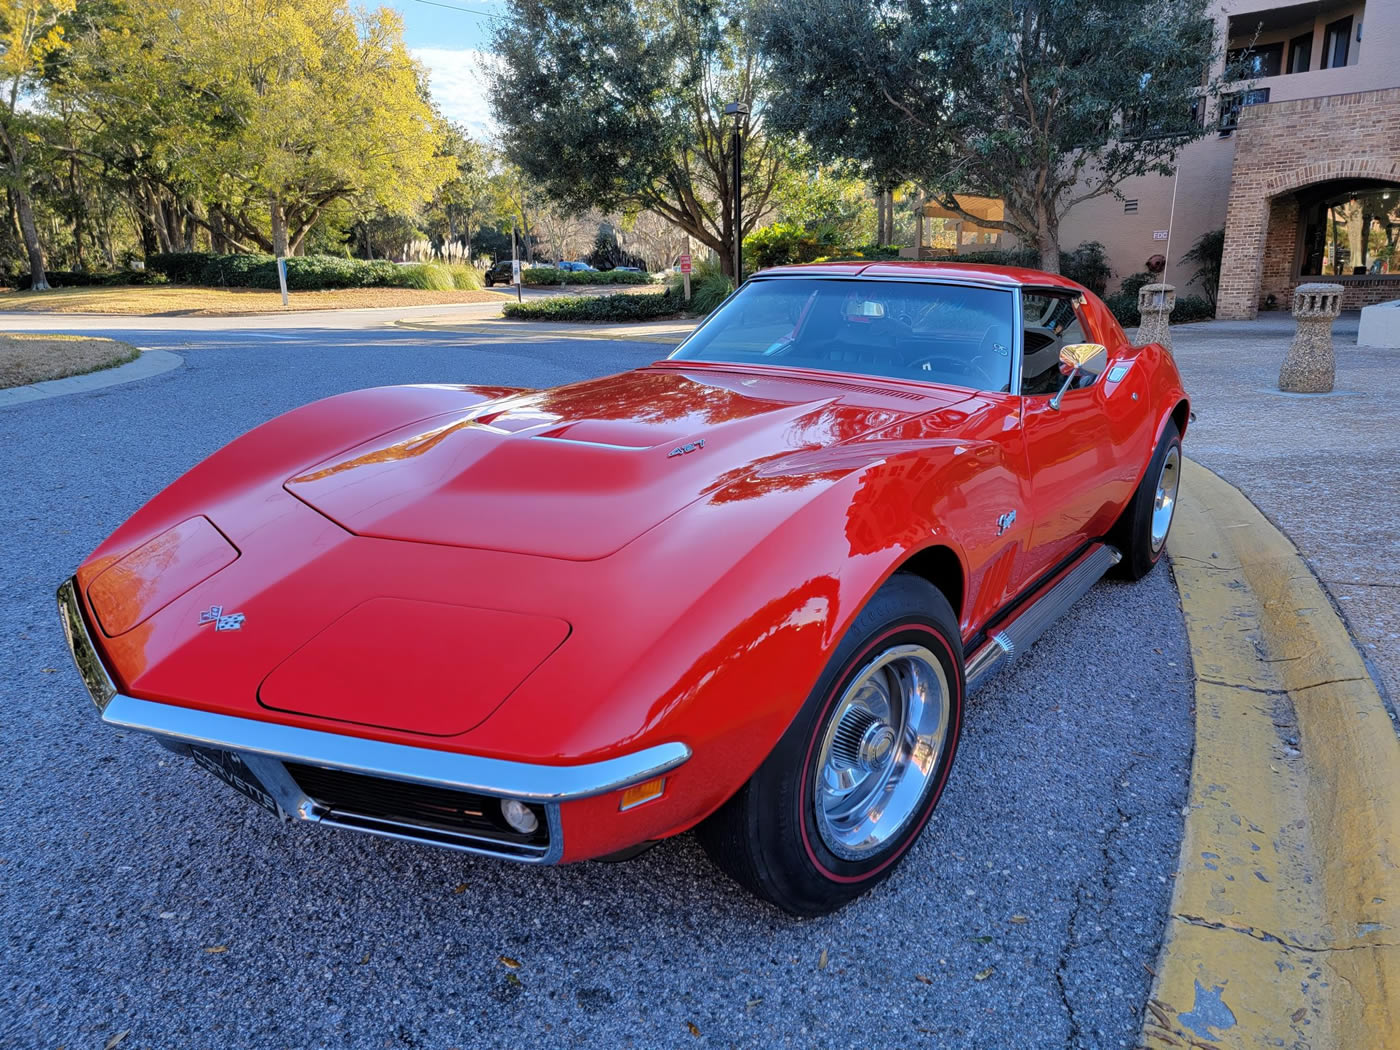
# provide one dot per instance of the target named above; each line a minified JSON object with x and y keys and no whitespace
{"x":233,"y":771}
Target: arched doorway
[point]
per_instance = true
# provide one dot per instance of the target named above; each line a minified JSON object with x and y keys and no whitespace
{"x":1307,"y":176}
{"x":1345,"y":230}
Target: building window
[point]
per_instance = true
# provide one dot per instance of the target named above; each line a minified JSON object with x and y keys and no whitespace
{"x":1352,"y":234}
{"x":1336,"y":43}
{"x":1262,"y":60}
{"x":1300,"y":53}
{"x":1130,"y":206}
{"x":1230,"y":106}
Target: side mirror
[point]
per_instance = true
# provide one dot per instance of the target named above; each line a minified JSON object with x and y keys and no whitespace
{"x":1091,"y":358}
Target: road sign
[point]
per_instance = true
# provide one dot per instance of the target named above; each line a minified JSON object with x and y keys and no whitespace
{"x":685,"y":264}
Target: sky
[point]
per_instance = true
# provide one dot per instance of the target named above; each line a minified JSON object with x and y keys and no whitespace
{"x":452,"y":39}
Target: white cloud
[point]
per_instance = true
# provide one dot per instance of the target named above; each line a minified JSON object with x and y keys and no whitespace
{"x":457,"y":79}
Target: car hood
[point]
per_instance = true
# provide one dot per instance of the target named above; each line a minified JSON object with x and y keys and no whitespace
{"x":577,"y":472}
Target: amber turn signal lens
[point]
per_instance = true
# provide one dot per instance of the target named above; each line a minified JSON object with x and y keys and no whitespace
{"x":639,"y":793}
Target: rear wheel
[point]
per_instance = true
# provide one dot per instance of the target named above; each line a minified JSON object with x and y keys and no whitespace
{"x":855,"y":778}
{"x":1141,"y":534}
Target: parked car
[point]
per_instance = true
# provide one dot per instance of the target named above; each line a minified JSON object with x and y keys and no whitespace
{"x":746,"y":589}
{"x":576,"y":265}
{"x":498,"y":273}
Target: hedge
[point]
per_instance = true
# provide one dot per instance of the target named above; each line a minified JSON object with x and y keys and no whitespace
{"x":91,"y":278}
{"x":309,"y":272}
{"x":537,"y":275}
{"x":643,"y":307}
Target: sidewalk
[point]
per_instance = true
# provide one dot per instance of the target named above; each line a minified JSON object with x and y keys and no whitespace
{"x":1325,"y":468}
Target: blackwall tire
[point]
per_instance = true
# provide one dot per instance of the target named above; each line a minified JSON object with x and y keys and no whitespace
{"x":1141,"y":533}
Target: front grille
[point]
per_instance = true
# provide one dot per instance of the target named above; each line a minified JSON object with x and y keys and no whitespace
{"x":371,"y":803}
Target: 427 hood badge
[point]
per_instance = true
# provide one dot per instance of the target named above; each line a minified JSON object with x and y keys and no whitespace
{"x":215,"y":615}
{"x":681,"y":450}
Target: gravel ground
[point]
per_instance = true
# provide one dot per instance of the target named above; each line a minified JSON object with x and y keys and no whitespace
{"x":140,"y":896}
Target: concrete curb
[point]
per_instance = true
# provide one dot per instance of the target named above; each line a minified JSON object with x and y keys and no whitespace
{"x":1285,"y":918}
{"x":150,"y":363}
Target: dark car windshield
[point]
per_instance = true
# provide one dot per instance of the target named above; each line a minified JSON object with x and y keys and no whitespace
{"x":934,"y":333}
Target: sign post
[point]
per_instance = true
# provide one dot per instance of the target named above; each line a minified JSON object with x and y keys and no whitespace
{"x":685,"y":275}
{"x":514,"y":266}
{"x":282,"y":277}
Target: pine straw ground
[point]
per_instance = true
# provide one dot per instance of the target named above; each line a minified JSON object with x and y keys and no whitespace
{"x":178,"y":300}
{"x":32,"y":357}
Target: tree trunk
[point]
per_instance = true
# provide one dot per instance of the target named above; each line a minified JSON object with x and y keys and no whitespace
{"x":1048,"y":234}
{"x":278,"y":216}
{"x":38,"y":279}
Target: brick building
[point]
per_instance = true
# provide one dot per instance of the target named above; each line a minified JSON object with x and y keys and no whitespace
{"x":1302,"y":168}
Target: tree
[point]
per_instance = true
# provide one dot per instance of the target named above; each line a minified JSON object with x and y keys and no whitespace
{"x":1208,"y":253}
{"x":1042,"y":104}
{"x":270,"y":111}
{"x":30,"y":31}
{"x":620,"y":106}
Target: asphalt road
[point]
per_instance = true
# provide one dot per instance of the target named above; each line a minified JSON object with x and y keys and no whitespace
{"x":138,"y":895}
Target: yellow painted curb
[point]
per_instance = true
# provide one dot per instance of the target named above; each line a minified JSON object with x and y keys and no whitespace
{"x":1285,"y":917}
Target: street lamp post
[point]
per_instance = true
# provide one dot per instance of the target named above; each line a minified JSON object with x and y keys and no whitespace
{"x":738,"y":110}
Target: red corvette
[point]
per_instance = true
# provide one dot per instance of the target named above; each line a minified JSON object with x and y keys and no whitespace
{"x":743,"y":590}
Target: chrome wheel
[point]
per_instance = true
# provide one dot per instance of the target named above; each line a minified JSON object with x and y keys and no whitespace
{"x":879,"y":750}
{"x":1165,"y":504}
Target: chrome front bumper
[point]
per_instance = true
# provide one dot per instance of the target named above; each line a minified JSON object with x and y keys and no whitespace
{"x":266,"y":748}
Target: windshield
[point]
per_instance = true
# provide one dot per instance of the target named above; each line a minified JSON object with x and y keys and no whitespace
{"x":935,"y":333}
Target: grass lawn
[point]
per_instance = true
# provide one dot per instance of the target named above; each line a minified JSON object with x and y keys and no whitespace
{"x":33,"y":357}
{"x":179,"y":300}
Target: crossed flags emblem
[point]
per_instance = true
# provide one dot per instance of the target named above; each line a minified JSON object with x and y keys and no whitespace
{"x":215,"y":615}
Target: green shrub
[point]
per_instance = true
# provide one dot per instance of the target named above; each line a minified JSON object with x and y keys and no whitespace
{"x":91,"y":278}
{"x":304,"y":272}
{"x":623,"y":307}
{"x":1087,"y":264}
{"x":465,"y":278}
{"x":1123,"y":304}
{"x":538,"y":275}
{"x":427,"y":277}
{"x":708,"y":287}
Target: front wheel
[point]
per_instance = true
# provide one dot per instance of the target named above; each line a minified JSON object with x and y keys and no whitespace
{"x":1141,"y":533}
{"x":854,"y":780}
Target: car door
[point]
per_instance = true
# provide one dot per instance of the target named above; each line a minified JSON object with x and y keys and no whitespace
{"x":1076,"y":470}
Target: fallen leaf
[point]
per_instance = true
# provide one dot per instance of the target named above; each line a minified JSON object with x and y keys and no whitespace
{"x":821,"y":960}
{"x":460,"y":888}
{"x":753,"y":1003}
{"x":1164,"y":1005}
{"x":116,"y":1039}
{"x":49,"y":670}
{"x":1160,"y":1015}
{"x":984,"y":974}
{"x":1019,"y":920}
{"x":218,"y":949}
{"x":1149,"y":969}
{"x":506,"y":960}
{"x":1299,"y":1014}
{"x":365,"y":960}
{"x":512,"y":979}
{"x":925,"y":1031}
{"x":980,"y":940}
{"x":923,"y":979}
{"x":692,"y":1029}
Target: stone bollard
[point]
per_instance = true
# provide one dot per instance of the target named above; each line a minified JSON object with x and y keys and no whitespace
{"x":1156,"y":303}
{"x":1310,"y":367}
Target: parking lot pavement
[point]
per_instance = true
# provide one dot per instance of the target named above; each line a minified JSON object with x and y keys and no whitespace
{"x":1324,"y":467}
{"x":139,"y":895}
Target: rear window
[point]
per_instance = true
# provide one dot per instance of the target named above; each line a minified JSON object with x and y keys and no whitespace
{"x":959,"y":335}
